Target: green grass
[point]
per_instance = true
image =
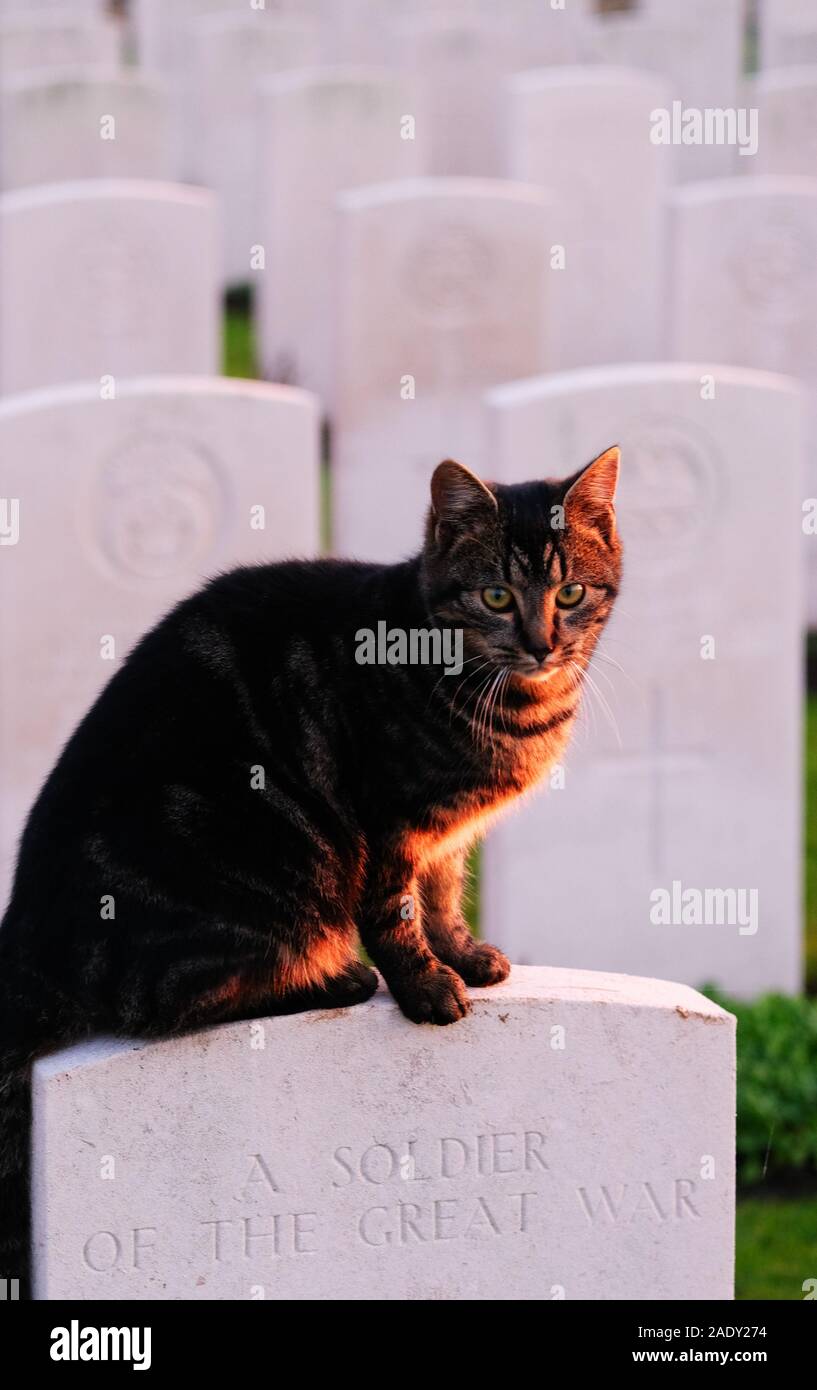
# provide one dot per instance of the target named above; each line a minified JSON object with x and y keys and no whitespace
{"x":811,"y":844}
{"x":776,"y":1246}
{"x":238,"y":340}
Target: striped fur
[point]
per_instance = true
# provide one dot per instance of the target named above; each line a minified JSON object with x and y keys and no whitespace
{"x":246,"y":798}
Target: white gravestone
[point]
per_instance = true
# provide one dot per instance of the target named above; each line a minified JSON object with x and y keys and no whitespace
{"x":229,"y":54}
{"x":323,"y":131}
{"x":163,"y":42}
{"x":107,"y":278}
{"x":743,"y":290}
{"x":786,"y":102}
{"x":442,"y":287}
{"x":582,"y":133}
{"x":51,"y":40}
{"x":123,"y":507}
{"x":669,"y":841}
{"x":162,"y":29}
{"x":459,"y":63}
{"x":82,"y":124}
{"x":572,"y":1138}
{"x":787,"y":33}
{"x":697,"y":47}
{"x":71,"y":9}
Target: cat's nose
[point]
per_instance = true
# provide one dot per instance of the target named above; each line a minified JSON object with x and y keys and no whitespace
{"x":540,"y":650}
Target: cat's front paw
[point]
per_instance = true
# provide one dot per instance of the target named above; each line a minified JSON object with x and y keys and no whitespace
{"x":484,"y":965}
{"x":436,"y":995}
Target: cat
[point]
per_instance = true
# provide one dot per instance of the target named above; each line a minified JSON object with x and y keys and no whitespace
{"x":246,"y":797}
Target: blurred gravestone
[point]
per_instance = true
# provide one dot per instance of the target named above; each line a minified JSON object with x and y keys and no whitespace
{"x":787,"y":33}
{"x":82,"y":124}
{"x":228,"y":55}
{"x":323,"y":131}
{"x":52,"y":40}
{"x":459,"y":63}
{"x":744,"y":290}
{"x":107,"y":278}
{"x":786,"y":102}
{"x":123,"y":507}
{"x":698,"y":48}
{"x":442,"y":291}
{"x":582,"y":133}
{"x":683,"y":777}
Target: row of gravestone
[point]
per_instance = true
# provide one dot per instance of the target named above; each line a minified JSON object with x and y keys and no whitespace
{"x":272,"y":152}
{"x":406,"y":305}
{"x":452,"y":70}
{"x":668,"y":843}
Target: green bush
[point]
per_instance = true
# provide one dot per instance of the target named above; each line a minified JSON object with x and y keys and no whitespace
{"x":777,"y":1086}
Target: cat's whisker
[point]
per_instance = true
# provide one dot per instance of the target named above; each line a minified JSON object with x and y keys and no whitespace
{"x":478,"y":702}
{"x":484,"y":703}
{"x":457,"y":688}
{"x":602,"y":656}
{"x":497,"y":687}
{"x":461,"y":686}
{"x":602,"y":698}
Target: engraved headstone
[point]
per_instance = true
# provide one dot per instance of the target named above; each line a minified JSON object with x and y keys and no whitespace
{"x":442,"y":292}
{"x":82,"y":124}
{"x":323,"y":131}
{"x":669,"y":840}
{"x":582,"y":134}
{"x":115,"y":510}
{"x":107,"y":278}
{"x":49,"y":39}
{"x":529,"y":1152}
{"x":229,"y":53}
{"x":743,"y":290}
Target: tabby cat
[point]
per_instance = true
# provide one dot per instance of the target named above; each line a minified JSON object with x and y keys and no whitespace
{"x":245,"y":796}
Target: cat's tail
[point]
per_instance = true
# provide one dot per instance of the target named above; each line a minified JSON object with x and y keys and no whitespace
{"x":30,"y":1025}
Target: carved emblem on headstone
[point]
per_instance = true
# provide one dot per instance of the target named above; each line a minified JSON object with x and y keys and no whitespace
{"x":449,"y":274}
{"x":159,"y":506}
{"x":668,"y":491}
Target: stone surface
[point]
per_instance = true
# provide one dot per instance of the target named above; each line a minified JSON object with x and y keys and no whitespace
{"x":162,"y":29}
{"x":323,"y":131}
{"x":786,"y":102}
{"x":107,"y":277}
{"x":787,"y":33}
{"x":697,"y":47}
{"x":572,"y":1138}
{"x":442,"y":291}
{"x":459,"y":62}
{"x":228,"y":54}
{"x":743,"y":290}
{"x":82,"y":124}
{"x":582,"y":134}
{"x":125,"y":506}
{"x":685,"y":766}
{"x":50,"y":40}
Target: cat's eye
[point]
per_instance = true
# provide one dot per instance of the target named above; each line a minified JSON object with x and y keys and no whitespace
{"x":569,"y":595}
{"x":498,"y":599}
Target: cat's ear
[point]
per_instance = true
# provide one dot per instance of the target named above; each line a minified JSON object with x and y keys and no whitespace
{"x":458,"y":499}
{"x":591,"y":494}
